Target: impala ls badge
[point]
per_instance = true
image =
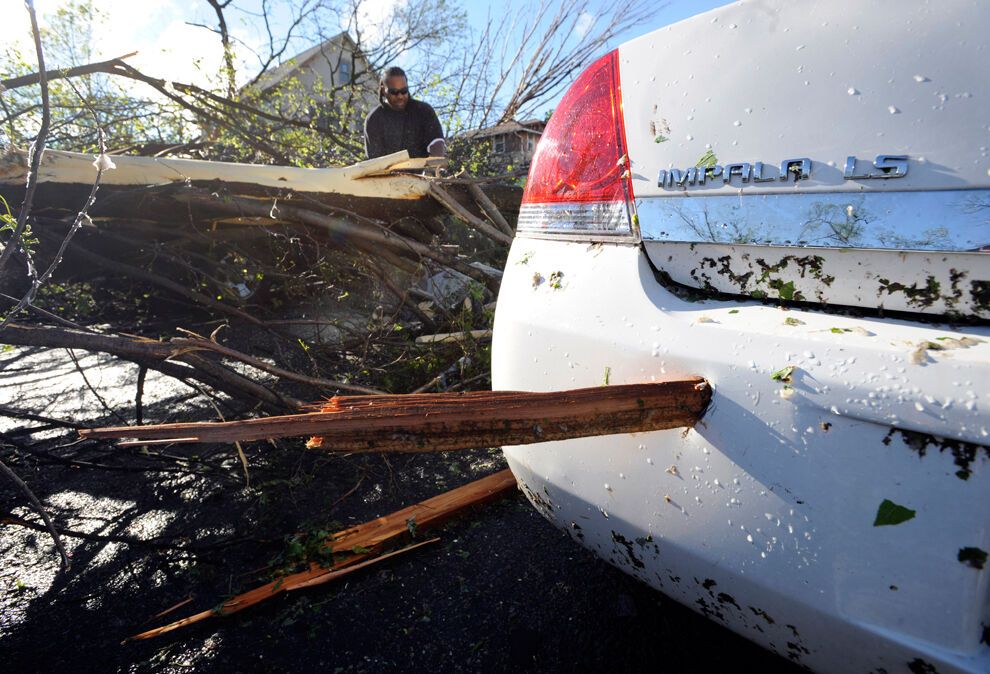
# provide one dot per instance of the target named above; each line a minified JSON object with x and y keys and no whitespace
{"x":790,"y":170}
{"x":889,"y":165}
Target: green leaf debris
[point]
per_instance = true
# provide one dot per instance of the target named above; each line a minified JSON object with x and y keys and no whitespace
{"x":890,"y":513}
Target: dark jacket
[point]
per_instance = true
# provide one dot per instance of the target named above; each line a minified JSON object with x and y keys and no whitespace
{"x":413,"y":129}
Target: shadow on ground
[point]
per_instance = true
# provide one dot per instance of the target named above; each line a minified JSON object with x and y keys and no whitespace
{"x":503,"y":590}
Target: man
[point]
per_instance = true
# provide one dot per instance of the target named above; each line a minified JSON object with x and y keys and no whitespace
{"x":401,"y":122}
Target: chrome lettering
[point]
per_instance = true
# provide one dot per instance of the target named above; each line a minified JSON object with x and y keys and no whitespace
{"x":891,"y":165}
{"x":742,"y":170}
{"x":758,"y":176}
{"x":886,"y":166}
{"x":788,"y":166}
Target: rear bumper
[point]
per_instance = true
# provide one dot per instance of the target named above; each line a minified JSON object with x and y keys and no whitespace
{"x":763,"y":516}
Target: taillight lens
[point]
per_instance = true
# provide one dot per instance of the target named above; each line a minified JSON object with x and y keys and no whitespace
{"x":579,"y":179}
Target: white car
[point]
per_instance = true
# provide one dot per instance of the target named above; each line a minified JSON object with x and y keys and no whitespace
{"x":789,"y":199}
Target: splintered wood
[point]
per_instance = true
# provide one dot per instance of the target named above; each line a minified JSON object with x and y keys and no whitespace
{"x":447,"y":421}
{"x":362,"y":545}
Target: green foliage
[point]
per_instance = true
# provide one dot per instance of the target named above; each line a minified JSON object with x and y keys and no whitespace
{"x":472,"y":157}
{"x":8,"y":225}
{"x":303,"y":549}
{"x":72,"y":300}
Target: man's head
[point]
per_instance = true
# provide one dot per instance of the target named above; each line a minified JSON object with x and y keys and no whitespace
{"x":394,"y":89}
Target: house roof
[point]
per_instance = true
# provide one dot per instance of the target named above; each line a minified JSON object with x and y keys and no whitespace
{"x":512,"y":126}
{"x":303,"y":58}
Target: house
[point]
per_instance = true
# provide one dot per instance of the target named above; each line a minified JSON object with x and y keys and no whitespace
{"x":512,"y":143}
{"x":334,"y":72}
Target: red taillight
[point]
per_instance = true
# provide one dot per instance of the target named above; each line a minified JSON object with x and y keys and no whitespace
{"x":581,"y":159}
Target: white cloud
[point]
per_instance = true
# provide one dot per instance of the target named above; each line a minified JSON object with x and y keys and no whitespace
{"x":373,"y":18}
{"x":182,"y":53}
{"x":584,"y":23}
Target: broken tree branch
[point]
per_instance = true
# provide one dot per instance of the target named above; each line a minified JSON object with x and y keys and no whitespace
{"x":208,"y":345}
{"x":452,"y":205}
{"x":154,"y":354}
{"x":60,"y":73}
{"x":441,"y":422}
{"x":455,"y":337}
{"x":370,"y":538}
{"x":489,"y":207}
{"x":365,"y":236}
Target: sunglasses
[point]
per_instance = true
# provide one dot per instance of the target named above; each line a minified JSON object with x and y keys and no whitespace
{"x":404,"y":91}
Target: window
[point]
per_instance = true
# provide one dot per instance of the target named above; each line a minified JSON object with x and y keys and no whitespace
{"x":530,"y":144}
{"x":344,"y":72}
{"x":498,"y":144}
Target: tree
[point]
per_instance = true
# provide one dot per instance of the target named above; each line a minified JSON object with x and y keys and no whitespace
{"x":508,"y":69}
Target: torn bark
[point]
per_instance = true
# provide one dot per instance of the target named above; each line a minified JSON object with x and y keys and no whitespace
{"x":447,"y":421}
{"x":369,"y":538}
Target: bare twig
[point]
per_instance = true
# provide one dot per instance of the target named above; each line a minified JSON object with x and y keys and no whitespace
{"x":36,"y":504}
{"x":28,"y":416}
{"x":101,"y":165}
{"x":37,"y":149}
{"x":240,"y":450}
{"x":139,"y":395}
{"x":154,"y":354}
{"x":103,"y":403}
{"x":209,"y":345}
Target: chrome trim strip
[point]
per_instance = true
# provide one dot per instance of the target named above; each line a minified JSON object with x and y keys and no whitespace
{"x":942,"y":220}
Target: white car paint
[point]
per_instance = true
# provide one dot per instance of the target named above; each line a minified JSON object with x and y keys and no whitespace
{"x":774,"y":495}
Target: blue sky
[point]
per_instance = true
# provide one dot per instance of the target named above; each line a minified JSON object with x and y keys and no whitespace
{"x":666,"y":13}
